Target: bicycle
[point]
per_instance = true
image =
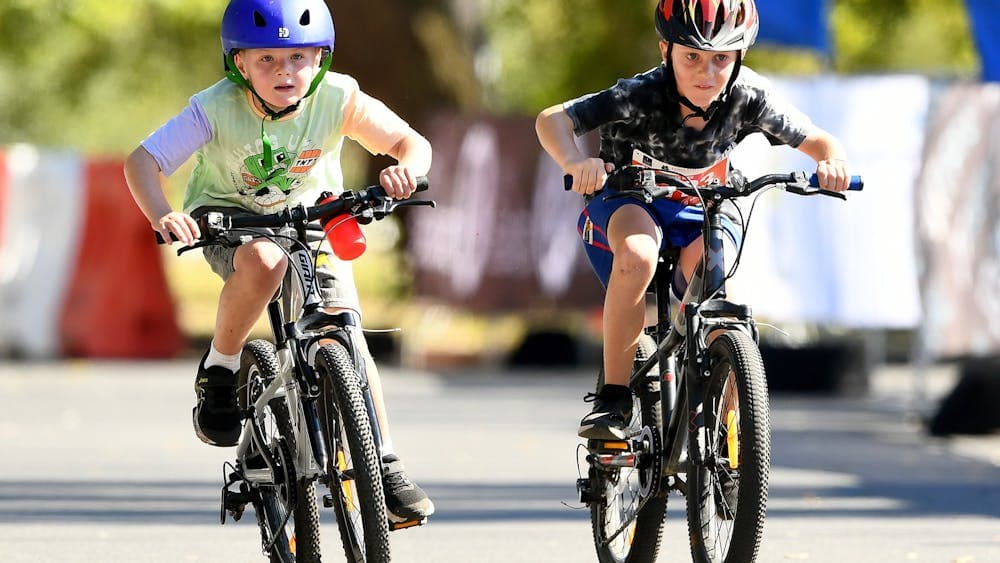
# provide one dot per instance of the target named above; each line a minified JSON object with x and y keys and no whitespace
{"x":308,"y":412}
{"x":702,"y":423}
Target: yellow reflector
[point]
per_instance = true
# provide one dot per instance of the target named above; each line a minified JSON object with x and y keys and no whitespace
{"x":615,"y":445}
{"x":345,"y":485}
{"x":348,"y":495}
{"x":732,"y":439}
{"x":401,"y":525}
{"x":291,"y":544}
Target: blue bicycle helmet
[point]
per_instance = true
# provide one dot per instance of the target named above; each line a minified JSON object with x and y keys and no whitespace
{"x":261,"y":24}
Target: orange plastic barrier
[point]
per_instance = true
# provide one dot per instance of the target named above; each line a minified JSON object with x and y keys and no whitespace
{"x":118,"y":304}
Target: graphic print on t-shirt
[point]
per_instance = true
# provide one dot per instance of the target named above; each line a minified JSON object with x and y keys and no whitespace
{"x":272,"y":188}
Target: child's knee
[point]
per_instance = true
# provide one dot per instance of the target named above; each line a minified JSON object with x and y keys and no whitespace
{"x":265,"y":260}
{"x":636,"y":258}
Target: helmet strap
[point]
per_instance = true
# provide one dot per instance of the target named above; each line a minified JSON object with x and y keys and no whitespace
{"x":324,"y":66}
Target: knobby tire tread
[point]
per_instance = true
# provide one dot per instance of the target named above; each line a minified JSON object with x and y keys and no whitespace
{"x":342,"y":384}
{"x":738,"y":350}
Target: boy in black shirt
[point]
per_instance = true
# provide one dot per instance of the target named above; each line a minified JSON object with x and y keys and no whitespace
{"x":685,"y":115}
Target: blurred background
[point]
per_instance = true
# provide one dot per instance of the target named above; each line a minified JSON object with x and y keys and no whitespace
{"x":905,"y":273}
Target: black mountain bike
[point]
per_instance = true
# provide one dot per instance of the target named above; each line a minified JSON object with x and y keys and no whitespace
{"x":309,"y":416}
{"x":701,"y":424}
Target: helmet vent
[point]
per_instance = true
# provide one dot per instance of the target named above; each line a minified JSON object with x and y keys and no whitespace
{"x":741,"y":15}
{"x":304,"y":20}
{"x":720,"y":19}
{"x":258,"y":19}
{"x":700,"y":21}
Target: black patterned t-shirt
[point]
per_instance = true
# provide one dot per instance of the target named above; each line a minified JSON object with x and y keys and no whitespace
{"x":636,"y":113}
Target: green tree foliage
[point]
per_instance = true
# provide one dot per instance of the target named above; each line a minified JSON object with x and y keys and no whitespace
{"x":101,"y":74}
{"x":927,"y":36}
{"x":551,"y":50}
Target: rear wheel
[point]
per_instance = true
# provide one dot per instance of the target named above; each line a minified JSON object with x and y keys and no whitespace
{"x":285,"y":506}
{"x":619,"y":502}
{"x":356,"y":483}
{"x":727,"y":497}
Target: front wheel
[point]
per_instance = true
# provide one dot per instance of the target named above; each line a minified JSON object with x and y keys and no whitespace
{"x":285,"y":506}
{"x":356,"y":483}
{"x":727,"y":496}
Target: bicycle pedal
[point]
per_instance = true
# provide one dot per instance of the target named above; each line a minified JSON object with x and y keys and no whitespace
{"x":393,"y":526}
{"x":233,"y":503}
{"x":236,"y":499}
{"x":328,"y":500}
{"x":608,"y":446}
{"x":586,"y":493}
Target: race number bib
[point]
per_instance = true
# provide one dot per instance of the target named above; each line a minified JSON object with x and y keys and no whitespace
{"x":713,"y":175}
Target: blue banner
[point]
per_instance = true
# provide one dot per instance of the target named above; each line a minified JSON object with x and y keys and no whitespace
{"x":796,"y":23}
{"x":985,"y":17}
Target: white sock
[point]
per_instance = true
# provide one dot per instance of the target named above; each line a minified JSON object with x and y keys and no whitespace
{"x":216,"y":358}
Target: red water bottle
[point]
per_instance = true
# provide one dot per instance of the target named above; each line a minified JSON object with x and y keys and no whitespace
{"x":343,"y":232}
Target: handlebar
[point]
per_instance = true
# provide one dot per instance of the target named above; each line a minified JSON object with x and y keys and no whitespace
{"x":367,"y":203}
{"x":653,"y":184}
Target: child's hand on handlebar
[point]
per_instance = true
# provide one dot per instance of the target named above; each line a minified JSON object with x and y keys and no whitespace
{"x":182,"y":226}
{"x":833,"y":174}
{"x":398,"y":181}
{"x":589,"y":174}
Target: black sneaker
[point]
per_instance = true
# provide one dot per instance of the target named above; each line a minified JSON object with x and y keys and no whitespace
{"x":216,"y":417}
{"x":404,"y":500}
{"x":610,"y":416}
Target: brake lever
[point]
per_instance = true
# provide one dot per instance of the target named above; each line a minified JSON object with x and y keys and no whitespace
{"x":414,"y":202}
{"x":807,"y":190}
{"x":195,"y":246}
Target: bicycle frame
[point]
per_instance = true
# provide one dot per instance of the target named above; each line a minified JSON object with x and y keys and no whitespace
{"x":297,"y":341}
{"x":682,"y":412}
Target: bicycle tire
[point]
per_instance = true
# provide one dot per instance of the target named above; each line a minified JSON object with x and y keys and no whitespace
{"x":359,"y":501}
{"x":295,"y":539}
{"x":641,"y":541}
{"x":726,"y":503}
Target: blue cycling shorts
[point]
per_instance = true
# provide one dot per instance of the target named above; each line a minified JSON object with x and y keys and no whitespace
{"x":678,"y":225}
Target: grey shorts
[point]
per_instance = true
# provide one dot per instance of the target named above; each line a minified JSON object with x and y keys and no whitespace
{"x":334,"y":276}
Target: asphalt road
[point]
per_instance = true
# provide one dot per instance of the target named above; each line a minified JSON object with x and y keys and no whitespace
{"x":98,"y":463}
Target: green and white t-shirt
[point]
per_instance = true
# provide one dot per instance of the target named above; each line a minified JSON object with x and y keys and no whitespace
{"x":223,"y":130}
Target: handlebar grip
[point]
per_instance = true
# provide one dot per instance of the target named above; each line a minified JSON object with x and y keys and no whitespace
{"x":159,"y":238}
{"x":378,"y":191}
{"x":568,"y":182}
{"x":422,"y":183}
{"x":856,"y":185}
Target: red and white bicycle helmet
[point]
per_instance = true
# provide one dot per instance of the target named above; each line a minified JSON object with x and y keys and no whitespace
{"x":708,"y":25}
